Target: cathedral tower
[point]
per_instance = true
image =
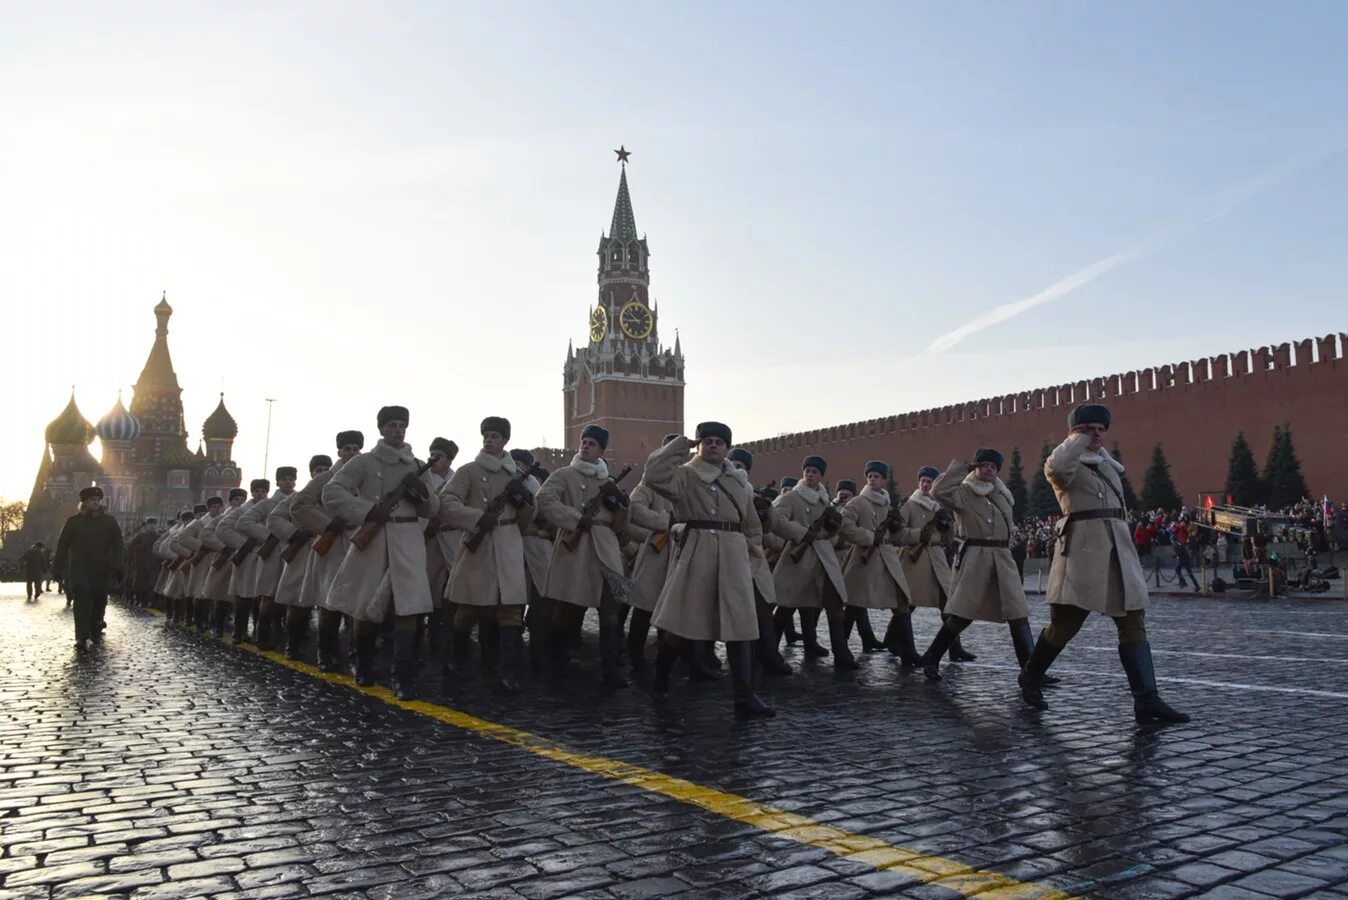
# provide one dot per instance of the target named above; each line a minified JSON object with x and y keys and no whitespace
{"x":624,"y":379}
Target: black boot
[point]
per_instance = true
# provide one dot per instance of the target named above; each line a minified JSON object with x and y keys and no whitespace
{"x":1022,"y":640}
{"x":899,"y":639}
{"x":959,"y":654}
{"x":507,"y":670}
{"x":610,"y":640}
{"x":1147,"y":704}
{"x":843,"y":660}
{"x":538,"y":642}
{"x":296,"y":627}
{"x":931,"y":660}
{"x":404,"y":681}
{"x":241,"y":621}
{"x":694,"y":657}
{"x":709,"y":657}
{"x":219,"y":616}
{"x":747,"y":703}
{"x":489,"y":643}
{"x":862,"y":618}
{"x":783,"y":619}
{"x":809,"y":623}
{"x":769,"y":657}
{"x":364,"y":638}
{"x":1031,"y":678}
{"x":266,"y":623}
{"x":638,"y":627}
{"x":329,"y":641}
{"x":460,"y":651}
{"x":666,"y":653}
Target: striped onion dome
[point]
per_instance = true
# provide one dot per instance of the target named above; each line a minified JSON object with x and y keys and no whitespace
{"x":118,"y":424}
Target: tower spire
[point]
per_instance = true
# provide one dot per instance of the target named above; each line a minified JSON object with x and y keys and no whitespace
{"x":624,"y":226}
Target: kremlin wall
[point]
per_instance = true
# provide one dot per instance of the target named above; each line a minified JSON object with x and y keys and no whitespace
{"x":1193,"y":408}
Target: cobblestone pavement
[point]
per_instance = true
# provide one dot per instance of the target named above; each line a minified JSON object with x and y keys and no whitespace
{"x":163,"y":764}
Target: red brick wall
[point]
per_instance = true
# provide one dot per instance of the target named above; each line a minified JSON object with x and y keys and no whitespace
{"x":1193,"y":408}
{"x":636,"y":415}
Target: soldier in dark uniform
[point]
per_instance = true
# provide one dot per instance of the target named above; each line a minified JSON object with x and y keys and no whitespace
{"x":34,"y":568}
{"x":89,"y":562}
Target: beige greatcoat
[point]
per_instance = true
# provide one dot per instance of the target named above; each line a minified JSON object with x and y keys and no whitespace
{"x":878,"y":583}
{"x":283,"y":526}
{"x":1101,"y":571}
{"x":758,"y":559}
{"x":494,"y":574}
{"x":267,"y":572}
{"x":987,"y":583}
{"x":929,"y":577}
{"x":574,"y":576}
{"x":442,"y":544}
{"x":389,"y":575}
{"x":201,"y":572}
{"x":217,"y":580}
{"x":307,"y":512}
{"x":652,"y":517}
{"x":243,"y":577}
{"x":709,"y":593}
{"x":800,"y":585}
{"x":164,"y":550}
{"x":539,"y":537}
{"x":184,"y":547}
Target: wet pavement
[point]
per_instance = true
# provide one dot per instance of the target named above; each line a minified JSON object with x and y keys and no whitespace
{"x":164,"y":764}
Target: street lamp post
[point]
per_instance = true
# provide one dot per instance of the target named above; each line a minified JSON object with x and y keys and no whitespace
{"x":266,"y":448}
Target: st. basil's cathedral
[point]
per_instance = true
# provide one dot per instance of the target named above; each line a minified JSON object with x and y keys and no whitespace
{"x":146,"y":469}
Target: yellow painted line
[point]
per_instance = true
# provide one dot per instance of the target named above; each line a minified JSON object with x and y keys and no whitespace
{"x":928,"y":869}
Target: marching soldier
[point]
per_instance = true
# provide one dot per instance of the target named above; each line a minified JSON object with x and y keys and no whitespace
{"x":808,"y":576}
{"x":308,"y":512}
{"x":589,"y":510}
{"x":709,"y":595}
{"x":294,"y":549}
{"x":243,"y":580}
{"x":208,"y":544}
{"x":927,"y":528}
{"x":988,"y":587}
{"x":1095,"y":568}
{"x":219,"y":571}
{"x":89,"y":563}
{"x":165,"y":555}
{"x":442,"y":542}
{"x":383,"y":489}
{"x":853,"y":615}
{"x":539,"y":537}
{"x":844,"y":492}
{"x":489,"y":502}
{"x":765,"y":595}
{"x":651,"y":519}
{"x":267,"y":568}
{"x":182,"y":548}
{"x":873,"y":574}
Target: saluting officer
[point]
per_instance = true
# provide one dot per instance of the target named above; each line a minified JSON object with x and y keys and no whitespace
{"x":1095,"y":568}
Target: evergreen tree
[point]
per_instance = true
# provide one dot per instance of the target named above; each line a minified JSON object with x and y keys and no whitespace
{"x":1129,"y":495}
{"x":1158,"y":488}
{"x":1283,"y":480}
{"x":1015,"y":483}
{"x":1243,"y":484}
{"x":1043,"y":502}
{"x":893,"y":487}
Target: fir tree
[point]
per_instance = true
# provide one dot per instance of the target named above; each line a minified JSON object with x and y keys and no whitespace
{"x":1158,"y":488}
{"x":1043,"y":502}
{"x":1129,"y":495}
{"x":1283,"y":480}
{"x":1020,"y":492}
{"x":1243,"y":484}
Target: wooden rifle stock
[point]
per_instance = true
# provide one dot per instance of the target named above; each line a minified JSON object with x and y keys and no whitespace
{"x":325,"y":540}
{"x":811,"y":535}
{"x":295,"y":544}
{"x":388,"y":503}
{"x":926,"y":534}
{"x":498,"y":504}
{"x":268,"y":546}
{"x":242,"y":553}
{"x":591,"y":506}
{"x":890,"y":517}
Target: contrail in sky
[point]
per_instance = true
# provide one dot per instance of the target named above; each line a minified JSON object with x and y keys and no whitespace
{"x":1228,"y":201}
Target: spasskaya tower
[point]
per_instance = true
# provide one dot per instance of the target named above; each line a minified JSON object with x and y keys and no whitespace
{"x":623,"y":378}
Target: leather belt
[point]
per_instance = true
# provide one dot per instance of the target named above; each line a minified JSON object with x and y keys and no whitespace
{"x":710,"y":525}
{"x":979,"y":542}
{"x":1066,"y":534}
{"x":402,"y":519}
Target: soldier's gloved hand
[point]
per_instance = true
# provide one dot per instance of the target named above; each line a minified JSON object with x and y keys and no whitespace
{"x":585,"y":523}
{"x":943,"y":523}
{"x":614,"y":498}
{"x":520,"y":499}
{"x":377,"y":514}
{"x":611,"y":503}
{"x":488,"y":520}
{"x":415,"y":488}
{"x":831,"y":518}
{"x":762,"y":504}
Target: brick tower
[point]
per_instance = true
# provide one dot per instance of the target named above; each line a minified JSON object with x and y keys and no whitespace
{"x":624,"y":379}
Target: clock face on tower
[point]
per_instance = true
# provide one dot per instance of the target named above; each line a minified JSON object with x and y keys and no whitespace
{"x":635,"y":320}
{"x":598,"y":324}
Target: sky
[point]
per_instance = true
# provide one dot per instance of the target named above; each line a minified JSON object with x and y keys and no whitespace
{"x":852,"y":211}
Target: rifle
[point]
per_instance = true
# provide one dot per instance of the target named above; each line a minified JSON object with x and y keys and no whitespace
{"x":388,"y":503}
{"x":200,"y":556}
{"x":268,"y":546}
{"x":498,"y":503}
{"x":888,"y":523}
{"x":328,"y":535}
{"x":241,"y":554}
{"x":812,"y":533}
{"x":942,"y":518}
{"x":295,"y":544}
{"x":591,"y":507}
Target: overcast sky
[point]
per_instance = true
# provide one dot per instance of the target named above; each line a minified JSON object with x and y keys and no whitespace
{"x":853,"y":210}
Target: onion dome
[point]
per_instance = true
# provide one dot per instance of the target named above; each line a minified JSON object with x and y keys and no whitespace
{"x":118,"y":424}
{"x":220,"y":425}
{"x":178,"y":457}
{"x":201,"y":454}
{"x":70,"y":427}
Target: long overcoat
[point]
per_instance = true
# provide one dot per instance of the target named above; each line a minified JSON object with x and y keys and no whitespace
{"x":308,"y":512}
{"x":201,"y":572}
{"x":1100,"y":570}
{"x":709,"y":592}
{"x":494,"y":574}
{"x":184,"y":547}
{"x":576,"y":576}
{"x":163,"y":549}
{"x":253,"y":523}
{"x":653,"y":517}
{"x":800,"y":585}
{"x":879,"y":582}
{"x":390,"y":573}
{"x":218,"y":580}
{"x":243,"y":577}
{"x":283,"y":527}
{"x":929,"y":577}
{"x":443,"y":543}
{"x":987,"y":583}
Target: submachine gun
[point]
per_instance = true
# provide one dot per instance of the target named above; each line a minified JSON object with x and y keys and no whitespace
{"x":514,"y":492}
{"x":608,"y":491}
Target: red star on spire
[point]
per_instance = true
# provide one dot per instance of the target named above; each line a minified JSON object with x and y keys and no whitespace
{"x":623,"y":153}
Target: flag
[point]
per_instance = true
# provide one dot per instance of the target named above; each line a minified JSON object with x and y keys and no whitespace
{"x":1328,"y":511}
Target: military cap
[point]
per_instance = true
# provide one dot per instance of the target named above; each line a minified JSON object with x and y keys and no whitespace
{"x":814,"y":462}
{"x":498,"y":424}
{"x":741,"y":456}
{"x":350,"y":437}
{"x":1089,"y":414}
{"x":987,"y":454}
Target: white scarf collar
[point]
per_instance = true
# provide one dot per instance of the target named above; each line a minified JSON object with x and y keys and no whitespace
{"x":494,"y":463}
{"x":709,"y":472}
{"x":811,"y":495}
{"x":985,"y":488}
{"x":1102,"y":457}
{"x":926,"y":501}
{"x":879,"y":498}
{"x":597,"y":469}
{"x":390,"y":455}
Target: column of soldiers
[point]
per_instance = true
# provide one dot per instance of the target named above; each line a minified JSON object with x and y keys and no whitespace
{"x":389,"y":547}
